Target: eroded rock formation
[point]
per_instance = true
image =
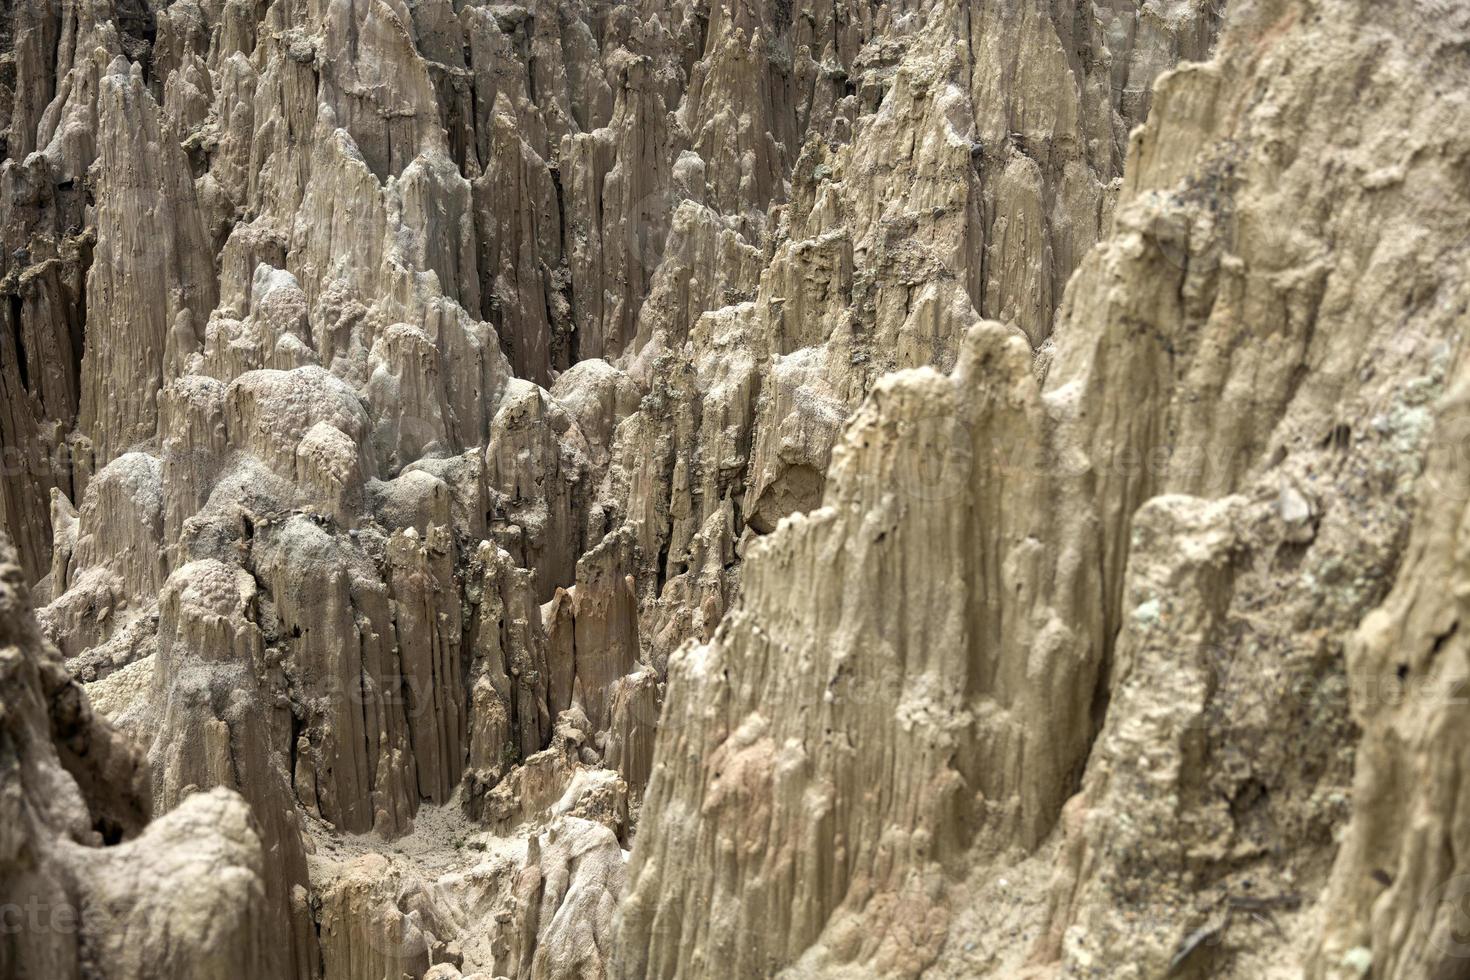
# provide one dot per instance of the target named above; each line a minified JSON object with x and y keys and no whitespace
{"x":726,"y":489}
{"x":92,"y":887}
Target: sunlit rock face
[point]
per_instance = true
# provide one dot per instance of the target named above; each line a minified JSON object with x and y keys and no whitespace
{"x":695,"y":489}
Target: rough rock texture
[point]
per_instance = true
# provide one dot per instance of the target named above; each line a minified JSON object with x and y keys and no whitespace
{"x":92,"y":887}
{"x":1007,"y":594}
{"x":703,"y":488}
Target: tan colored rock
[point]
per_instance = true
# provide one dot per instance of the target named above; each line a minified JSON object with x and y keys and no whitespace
{"x":534,"y":465}
{"x":899,"y":684}
{"x":114,"y":565}
{"x":512,"y":709}
{"x":151,"y":266}
{"x":221,"y":721}
{"x":365,"y":936}
{"x":519,"y":220}
{"x":562,"y":903}
{"x":474,"y":348}
{"x":181,"y":897}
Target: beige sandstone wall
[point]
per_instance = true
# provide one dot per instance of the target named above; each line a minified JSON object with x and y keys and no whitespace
{"x":693,"y":489}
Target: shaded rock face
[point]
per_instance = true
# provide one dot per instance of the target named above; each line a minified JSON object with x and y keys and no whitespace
{"x":92,"y":887}
{"x":1108,"y":621}
{"x":722,"y":489}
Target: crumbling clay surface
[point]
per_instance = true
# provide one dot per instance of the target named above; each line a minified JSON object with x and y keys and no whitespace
{"x":562,"y":490}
